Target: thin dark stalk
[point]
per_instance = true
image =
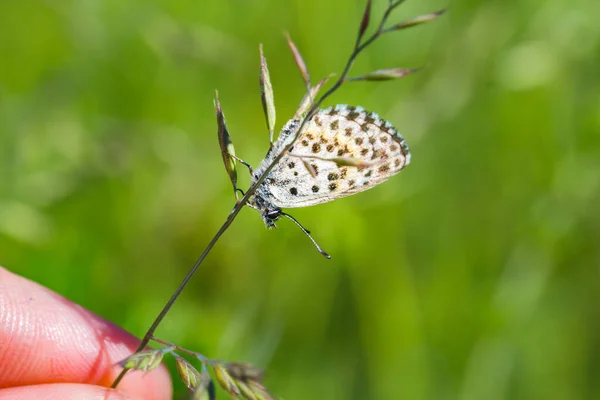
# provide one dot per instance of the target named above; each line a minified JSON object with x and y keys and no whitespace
{"x":149,"y":334}
{"x":358,"y":48}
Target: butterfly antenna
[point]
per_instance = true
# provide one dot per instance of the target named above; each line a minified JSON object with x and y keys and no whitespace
{"x":307,"y":233}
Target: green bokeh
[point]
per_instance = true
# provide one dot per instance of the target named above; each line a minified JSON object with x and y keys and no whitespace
{"x":474,"y":274}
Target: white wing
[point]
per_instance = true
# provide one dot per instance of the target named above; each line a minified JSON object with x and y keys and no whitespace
{"x":340,"y":131}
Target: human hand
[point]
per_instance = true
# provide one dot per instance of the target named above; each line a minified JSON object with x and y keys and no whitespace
{"x":51,"y":348}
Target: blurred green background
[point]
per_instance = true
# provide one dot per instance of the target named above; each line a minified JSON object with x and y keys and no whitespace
{"x":474,"y":274}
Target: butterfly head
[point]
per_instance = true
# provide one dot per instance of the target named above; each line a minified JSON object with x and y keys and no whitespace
{"x":271,"y":215}
{"x":268,"y":211}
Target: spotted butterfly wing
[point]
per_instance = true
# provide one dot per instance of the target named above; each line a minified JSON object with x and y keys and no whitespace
{"x":340,"y":131}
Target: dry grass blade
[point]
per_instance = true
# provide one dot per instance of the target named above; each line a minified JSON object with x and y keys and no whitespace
{"x":364,"y":24}
{"x":309,"y":168}
{"x":144,"y":360}
{"x":188,"y":374}
{"x":309,"y":98}
{"x":225,"y":143}
{"x":225,"y":379}
{"x":245,"y":371}
{"x":340,"y":161}
{"x":385,"y":74}
{"x":409,"y":23}
{"x":266,"y":94}
{"x":259,"y":391}
{"x":299,"y":61}
{"x":206,"y":388}
{"x":350,"y":162}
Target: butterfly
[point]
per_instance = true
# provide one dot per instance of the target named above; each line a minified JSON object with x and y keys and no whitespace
{"x":342,"y":150}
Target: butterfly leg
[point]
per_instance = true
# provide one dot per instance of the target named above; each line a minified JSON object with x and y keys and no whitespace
{"x":236,"y":189}
{"x":243,"y":163}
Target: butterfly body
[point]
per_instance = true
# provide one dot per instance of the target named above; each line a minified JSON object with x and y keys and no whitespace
{"x":314,"y":170}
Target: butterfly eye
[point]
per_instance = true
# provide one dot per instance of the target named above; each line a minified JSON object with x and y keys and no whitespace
{"x":273,"y":214}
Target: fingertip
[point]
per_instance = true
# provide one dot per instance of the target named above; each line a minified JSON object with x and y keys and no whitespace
{"x":65,"y":391}
{"x":47,"y":339}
